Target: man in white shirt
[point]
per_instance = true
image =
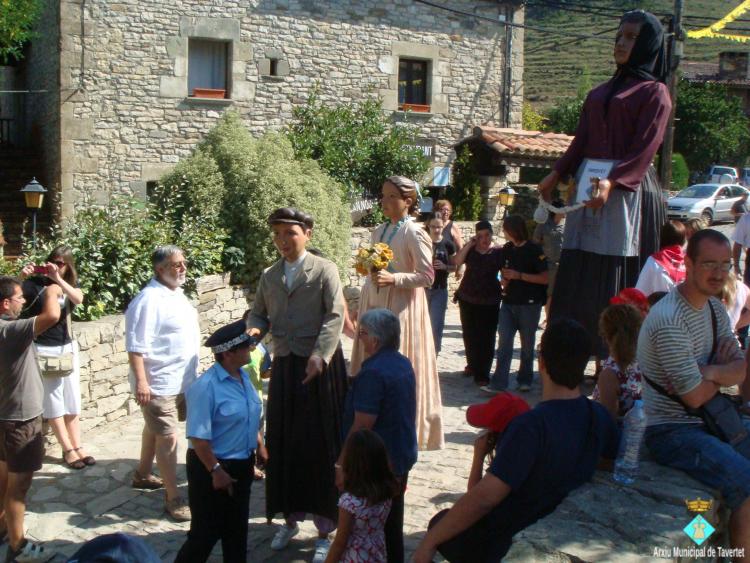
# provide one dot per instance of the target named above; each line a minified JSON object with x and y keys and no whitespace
{"x":162,"y":338}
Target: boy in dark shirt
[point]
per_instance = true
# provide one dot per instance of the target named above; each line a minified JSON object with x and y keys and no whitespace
{"x":524,"y":281}
{"x":541,"y":456}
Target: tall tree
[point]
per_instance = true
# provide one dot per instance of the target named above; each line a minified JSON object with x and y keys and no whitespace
{"x":711,"y":126}
{"x":17,"y":19}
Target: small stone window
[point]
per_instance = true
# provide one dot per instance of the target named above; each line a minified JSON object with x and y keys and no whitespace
{"x":412,"y":85}
{"x":274,"y":64}
{"x":208,"y":64}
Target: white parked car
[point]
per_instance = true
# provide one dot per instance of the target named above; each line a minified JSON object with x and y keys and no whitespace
{"x":712,"y":202}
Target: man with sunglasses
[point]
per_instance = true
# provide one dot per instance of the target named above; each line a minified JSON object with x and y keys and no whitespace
{"x":162,"y":338}
{"x":21,"y":396}
{"x":687,"y":352}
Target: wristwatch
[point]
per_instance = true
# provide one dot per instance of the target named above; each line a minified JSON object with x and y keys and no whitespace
{"x":216,"y":466}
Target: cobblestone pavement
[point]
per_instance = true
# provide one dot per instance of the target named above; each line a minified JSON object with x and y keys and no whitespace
{"x":67,"y":507}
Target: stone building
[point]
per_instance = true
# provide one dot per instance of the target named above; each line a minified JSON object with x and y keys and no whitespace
{"x":114,"y":93}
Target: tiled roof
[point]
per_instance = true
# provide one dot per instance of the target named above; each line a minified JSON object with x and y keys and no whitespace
{"x":709,"y":72}
{"x":522,"y":144}
{"x":697,"y":70}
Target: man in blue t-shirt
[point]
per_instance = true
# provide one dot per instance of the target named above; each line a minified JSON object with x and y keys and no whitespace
{"x":541,"y":456}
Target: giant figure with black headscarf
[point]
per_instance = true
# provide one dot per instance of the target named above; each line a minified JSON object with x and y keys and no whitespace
{"x":623,"y":121}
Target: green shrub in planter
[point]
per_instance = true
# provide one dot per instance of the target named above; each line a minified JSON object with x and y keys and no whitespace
{"x":261,"y":175}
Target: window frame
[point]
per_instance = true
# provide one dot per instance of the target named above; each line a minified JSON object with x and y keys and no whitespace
{"x":209,"y":91}
{"x":418,"y":101}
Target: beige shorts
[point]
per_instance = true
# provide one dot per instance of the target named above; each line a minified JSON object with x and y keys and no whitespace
{"x":162,"y":413}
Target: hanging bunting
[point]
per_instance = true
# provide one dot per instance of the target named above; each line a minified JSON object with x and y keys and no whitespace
{"x":714,"y":31}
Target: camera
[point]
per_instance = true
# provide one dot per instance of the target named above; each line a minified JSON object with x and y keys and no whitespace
{"x":40,"y":270}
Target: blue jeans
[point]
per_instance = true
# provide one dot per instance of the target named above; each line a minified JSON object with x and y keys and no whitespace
{"x":512,"y":319}
{"x":704,"y":457}
{"x":437,"y":302}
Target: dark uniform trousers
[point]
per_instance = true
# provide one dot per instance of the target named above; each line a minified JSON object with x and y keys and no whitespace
{"x":215,"y":515}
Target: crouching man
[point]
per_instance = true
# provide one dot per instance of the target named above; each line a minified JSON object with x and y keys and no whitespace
{"x":541,"y":456}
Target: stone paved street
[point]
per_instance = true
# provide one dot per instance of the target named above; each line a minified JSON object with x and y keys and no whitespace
{"x":68,"y":507}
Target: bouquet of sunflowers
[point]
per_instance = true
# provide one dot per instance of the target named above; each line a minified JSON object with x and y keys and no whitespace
{"x":373,"y":258}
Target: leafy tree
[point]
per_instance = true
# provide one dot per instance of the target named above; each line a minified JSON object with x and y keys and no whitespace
{"x":17,"y":19}
{"x":680,"y":172}
{"x":466,"y":193}
{"x":531,"y":119}
{"x":563,"y":118}
{"x":711,"y":126}
{"x":261,"y":175}
{"x":356,"y":144}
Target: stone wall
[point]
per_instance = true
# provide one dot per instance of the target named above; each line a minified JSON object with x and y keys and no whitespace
{"x":132,"y":120}
{"x":105,"y":390}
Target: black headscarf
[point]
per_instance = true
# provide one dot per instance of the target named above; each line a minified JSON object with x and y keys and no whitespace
{"x":648,"y":59}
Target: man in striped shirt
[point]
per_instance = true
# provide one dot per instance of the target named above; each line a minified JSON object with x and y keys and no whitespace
{"x":675,"y":351}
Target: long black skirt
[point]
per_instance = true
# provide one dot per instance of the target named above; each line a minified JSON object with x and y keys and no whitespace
{"x":303,"y":436}
{"x":586,"y":281}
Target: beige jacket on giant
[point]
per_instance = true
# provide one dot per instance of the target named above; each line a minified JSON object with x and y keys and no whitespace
{"x":305,"y":320}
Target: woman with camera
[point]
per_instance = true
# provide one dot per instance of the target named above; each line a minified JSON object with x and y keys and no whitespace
{"x":58,"y":351}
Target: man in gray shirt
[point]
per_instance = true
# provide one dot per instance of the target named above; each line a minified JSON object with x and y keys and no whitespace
{"x":675,"y":352}
{"x":21,"y":393}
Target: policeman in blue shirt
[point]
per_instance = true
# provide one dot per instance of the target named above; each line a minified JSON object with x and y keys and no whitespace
{"x":223,"y":420}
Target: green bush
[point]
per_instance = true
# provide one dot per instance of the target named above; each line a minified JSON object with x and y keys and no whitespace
{"x":195,"y":188}
{"x":466,"y":192}
{"x":680,"y":172}
{"x":261,"y":175}
{"x":112,"y":245}
{"x":356,"y":144}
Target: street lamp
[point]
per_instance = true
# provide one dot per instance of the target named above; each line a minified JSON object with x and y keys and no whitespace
{"x":505,"y":198}
{"x":34,"y":195}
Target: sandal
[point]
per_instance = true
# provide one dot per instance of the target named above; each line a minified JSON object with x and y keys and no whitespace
{"x":88,"y":460}
{"x":77,"y":464}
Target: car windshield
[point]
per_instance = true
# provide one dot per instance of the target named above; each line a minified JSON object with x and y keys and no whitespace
{"x":700,"y":191}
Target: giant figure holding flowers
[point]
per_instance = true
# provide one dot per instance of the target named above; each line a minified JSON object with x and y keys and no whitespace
{"x":400,"y":287}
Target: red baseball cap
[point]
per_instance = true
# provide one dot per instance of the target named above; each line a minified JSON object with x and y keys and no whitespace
{"x":496,"y":413}
{"x":631,"y":296}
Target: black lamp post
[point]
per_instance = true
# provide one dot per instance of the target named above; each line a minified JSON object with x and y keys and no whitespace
{"x":34,"y":195}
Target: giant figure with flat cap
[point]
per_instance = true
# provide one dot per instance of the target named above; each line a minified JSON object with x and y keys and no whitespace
{"x":300,"y":302}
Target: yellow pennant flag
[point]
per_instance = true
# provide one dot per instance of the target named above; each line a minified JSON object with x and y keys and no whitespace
{"x":715,"y":30}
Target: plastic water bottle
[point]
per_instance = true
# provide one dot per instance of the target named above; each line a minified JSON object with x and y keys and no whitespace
{"x":634,"y":425}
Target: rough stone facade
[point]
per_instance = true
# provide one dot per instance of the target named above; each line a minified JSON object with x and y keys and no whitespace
{"x":126,"y":117}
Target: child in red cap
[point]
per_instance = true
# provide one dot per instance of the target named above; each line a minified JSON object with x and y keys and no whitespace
{"x":493,"y":416}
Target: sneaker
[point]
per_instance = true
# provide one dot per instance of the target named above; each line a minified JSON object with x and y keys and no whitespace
{"x":30,"y":553}
{"x":178,"y":509}
{"x":283,"y":536}
{"x":490,"y":390}
{"x":524,"y":388}
{"x":322,"y":545}
{"x":149,"y":482}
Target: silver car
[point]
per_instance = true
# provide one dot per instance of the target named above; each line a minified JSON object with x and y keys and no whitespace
{"x":712,"y":202}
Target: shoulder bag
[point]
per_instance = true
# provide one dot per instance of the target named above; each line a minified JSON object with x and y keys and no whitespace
{"x":59,"y":365}
{"x":721,"y":413}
